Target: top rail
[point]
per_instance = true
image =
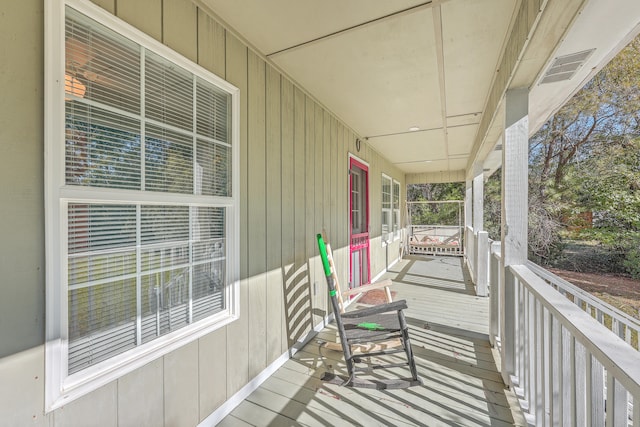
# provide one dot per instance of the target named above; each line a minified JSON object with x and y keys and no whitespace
{"x":619,"y":322}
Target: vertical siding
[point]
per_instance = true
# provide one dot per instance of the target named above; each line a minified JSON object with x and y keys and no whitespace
{"x":22,"y":260}
{"x":273,"y":237}
{"x":310,"y":211}
{"x":212,"y":362}
{"x":238,"y":331}
{"x":148,"y":382}
{"x":180,"y":386}
{"x":145,"y":15}
{"x":288,"y":205}
{"x":180,"y":32}
{"x":256,"y":221}
{"x":299,"y":297}
{"x":108,"y":5}
{"x":293,"y":184}
{"x":211,"y":44}
{"x":320,"y":287}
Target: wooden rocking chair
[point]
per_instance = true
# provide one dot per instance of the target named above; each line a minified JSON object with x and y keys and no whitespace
{"x":363,"y":330}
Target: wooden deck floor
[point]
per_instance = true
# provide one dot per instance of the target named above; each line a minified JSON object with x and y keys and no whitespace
{"x":449,"y":324}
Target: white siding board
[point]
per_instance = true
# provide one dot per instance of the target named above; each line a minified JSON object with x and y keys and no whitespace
{"x":256,"y":222}
{"x":140,"y":396}
{"x":97,"y":409}
{"x":212,"y":366}
{"x":181,"y":386}
{"x":211,"y":44}
{"x":22,"y":259}
{"x":237,"y":332}
{"x":212,"y":354}
{"x":145,"y":15}
{"x":326,"y":172}
{"x":333,"y":159}
{"x":21,"y":389}
{"x":288,"y":203}
{"x":299,"y":176}
{"x":321,"y":290}
{"x":180,"y":27}
{"x":108,"y":5}
{"x":310,"y":212}
{"x":299,"y":301}
{"x":275,"y":295}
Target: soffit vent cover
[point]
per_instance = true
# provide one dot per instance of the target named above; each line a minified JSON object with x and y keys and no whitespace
{"x":564,"y":67}
{"x":498,"y":147}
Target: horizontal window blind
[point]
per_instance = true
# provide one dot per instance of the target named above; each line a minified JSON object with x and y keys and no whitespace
{"x":137,"y":122}
{"x":396,"y":209}
{"x":386,"y":206}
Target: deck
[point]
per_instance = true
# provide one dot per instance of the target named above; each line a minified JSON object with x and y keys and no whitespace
{"x":462,"y":385}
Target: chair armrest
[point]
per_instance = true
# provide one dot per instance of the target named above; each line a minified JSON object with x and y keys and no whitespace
{"x":382,"y":308}
{"x":366,"y":288}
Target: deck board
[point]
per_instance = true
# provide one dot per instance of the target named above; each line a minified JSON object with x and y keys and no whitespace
{"x":449,"y":332}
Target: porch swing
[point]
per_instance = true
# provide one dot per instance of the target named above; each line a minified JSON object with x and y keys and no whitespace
{"x":435,"y":227}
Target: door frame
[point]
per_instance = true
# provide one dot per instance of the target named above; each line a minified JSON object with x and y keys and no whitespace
{"x":364,"y":166}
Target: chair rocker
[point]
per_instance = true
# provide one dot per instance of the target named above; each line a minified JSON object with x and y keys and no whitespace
{"x":365,"y":329}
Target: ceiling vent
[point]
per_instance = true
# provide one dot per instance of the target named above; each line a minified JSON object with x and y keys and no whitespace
{"x":498,"y":147}
{"x":564,"y":67}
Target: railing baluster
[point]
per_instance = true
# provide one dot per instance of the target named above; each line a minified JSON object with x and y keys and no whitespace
{"x":568,"y":406}
{"x":616,"y":408}
{"x":547,"y":374}
{"x":520,"y":333}
{"x":595,"y":391}
{"x":557,"y":376}
{"x":541,"y":352}
{"x":580,"y":377}
{"x":508,"y":326}
{"x":494,"y":295}
{"x":531,"y":353}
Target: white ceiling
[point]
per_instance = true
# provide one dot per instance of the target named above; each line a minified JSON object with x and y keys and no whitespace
{"x":385,"y":66}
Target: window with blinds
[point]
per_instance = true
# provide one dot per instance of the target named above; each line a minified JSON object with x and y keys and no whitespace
{"x":146,"y":200}
{"x":386,"y":208}
{"x":396,"y":210}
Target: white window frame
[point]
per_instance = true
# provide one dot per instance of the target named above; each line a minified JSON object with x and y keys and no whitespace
{"x":387,"y":236}
{"x":60,"y":387}
{"x":396,"y":219}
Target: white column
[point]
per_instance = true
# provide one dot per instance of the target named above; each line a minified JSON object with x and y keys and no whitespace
{"x":481,"y":265}
{"x":478,"y":198}
{"x":468,"y":215}
{"x":515,"y":155}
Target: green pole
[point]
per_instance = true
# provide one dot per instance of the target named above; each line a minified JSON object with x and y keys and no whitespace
{"x":323,"y":254}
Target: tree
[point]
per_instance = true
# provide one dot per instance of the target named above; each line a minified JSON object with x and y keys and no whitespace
{"x":605,"y":111}
{"x":583,"y":159}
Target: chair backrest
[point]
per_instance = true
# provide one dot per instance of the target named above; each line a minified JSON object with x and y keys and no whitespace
{"x":333,"y":292}
{"x":332,"y":266}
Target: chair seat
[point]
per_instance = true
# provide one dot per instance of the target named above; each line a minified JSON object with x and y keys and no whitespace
{"x":372,"y":328}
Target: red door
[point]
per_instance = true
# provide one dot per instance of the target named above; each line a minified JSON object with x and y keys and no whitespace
{"x":359,"y":224}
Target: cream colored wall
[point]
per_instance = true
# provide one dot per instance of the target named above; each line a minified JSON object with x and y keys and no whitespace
{"x":294,"y":183}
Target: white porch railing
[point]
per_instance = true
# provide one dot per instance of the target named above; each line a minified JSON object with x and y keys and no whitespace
{"x":617,"y":321}
{"x":477,"y":258}
{"x":566,"y":366}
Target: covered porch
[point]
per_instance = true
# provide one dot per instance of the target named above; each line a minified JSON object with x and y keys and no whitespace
{"x":450,"y":335}
{"x":322,"y":113}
